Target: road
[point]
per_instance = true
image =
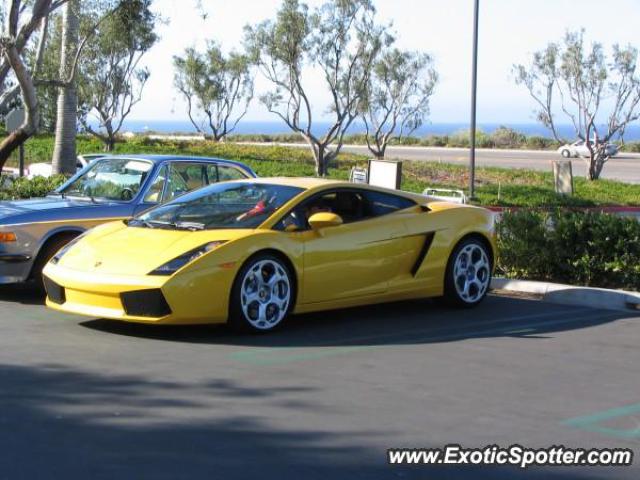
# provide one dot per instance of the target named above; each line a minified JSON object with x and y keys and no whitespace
{"x":324,"y":398}
{"x":624,"y":167}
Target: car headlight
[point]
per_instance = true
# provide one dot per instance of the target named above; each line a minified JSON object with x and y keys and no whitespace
{"x":172,"y":266}
{"x":7,"y":237}
{"x":56,"y":258}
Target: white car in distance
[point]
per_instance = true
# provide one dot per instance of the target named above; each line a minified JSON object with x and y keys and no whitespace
{"x":580,"y":149}
{"x":46,"y":169}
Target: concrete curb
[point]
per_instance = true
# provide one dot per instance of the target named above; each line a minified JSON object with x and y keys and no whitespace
{"x":572,"y":295}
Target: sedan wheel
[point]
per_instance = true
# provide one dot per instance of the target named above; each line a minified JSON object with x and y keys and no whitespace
{"x":262,"y":295}
{"x":468,"y":274}
{"x":566,"y":153}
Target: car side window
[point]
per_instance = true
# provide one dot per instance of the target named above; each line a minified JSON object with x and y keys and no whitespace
{"x":348,"y":204}
{"x":154,"y":194}
{"x":184,"y":177}
{"x":378,"y":204}
{"x":226,"y":172}
{"x":351,"y":205}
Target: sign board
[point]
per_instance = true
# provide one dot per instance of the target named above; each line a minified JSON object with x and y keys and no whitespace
{"x":385,"y":173}
{"x":563,"y":177}
{"x":14,"y":119}
{"x":358,"y":175}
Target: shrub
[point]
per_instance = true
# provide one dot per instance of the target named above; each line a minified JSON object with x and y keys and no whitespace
{"x":578,"y":248}
{"x":504,"y":137}
{"x":26,"y":188}
{"x":535,"y":142}
{"x":435,"y":141}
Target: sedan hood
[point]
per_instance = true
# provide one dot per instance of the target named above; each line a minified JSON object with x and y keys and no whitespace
{"x":116,"y":249}
{"x":16,"y":211}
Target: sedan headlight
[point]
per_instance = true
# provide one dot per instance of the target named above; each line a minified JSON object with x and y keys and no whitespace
{"x":177,"y":263}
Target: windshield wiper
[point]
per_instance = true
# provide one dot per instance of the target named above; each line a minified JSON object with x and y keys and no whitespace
{"x":191,"y":226}
{"x":135,"y":222}
{"x":79,"y":196}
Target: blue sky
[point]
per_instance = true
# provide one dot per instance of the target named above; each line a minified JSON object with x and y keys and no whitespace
{"x":510,"y":30}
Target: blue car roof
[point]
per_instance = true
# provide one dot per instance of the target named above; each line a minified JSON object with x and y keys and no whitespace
{"x":160,"y":158}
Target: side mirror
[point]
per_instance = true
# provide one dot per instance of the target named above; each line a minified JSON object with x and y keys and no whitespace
{"x":321,"y":220}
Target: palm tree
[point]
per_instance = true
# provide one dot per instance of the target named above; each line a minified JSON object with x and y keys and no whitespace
{"x":64,"y":153}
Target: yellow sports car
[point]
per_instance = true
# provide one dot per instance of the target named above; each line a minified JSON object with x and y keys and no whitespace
{"x":250,"y":252}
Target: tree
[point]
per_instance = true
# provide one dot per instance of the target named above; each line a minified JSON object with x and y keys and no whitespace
{"x":397,"y":99}
{"x":219,"y":86}
{"x":341,"y":40}
{"x":584,"y":81}
{"x":112,"y":79}
{"x":64,"y":151}
{"x":18,"y":31}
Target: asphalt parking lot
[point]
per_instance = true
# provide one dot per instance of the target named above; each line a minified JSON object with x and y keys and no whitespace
{"x":324,"y":398}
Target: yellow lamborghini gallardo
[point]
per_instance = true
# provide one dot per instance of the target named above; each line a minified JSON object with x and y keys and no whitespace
{"x":250,"y":252}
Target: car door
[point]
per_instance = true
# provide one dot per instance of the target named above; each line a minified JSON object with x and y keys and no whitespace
{"x":351,"y":260}
{"x":581,"y":149}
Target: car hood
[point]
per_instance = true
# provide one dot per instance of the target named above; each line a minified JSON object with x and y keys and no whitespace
{"x":19,"y":211}
{"x":19,"y":208}
{"x":116,"y":249}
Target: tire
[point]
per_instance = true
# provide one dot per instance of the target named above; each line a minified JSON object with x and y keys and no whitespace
{"x":261,"y":303}
{"x":565,"y":153}
{"x":46,"y":253}
{"x":468,"y":274}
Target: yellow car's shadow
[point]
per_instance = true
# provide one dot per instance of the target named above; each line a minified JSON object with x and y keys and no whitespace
{"x":408,"y":322}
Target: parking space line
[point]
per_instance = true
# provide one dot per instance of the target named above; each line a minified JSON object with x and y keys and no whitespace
{"x":280,"y":355}
{"x":592,"y":423}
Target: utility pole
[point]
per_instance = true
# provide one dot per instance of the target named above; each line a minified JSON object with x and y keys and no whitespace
{"x":474,"y":88}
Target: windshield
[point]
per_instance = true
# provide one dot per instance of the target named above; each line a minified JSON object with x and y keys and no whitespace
{"x":223,"y":205}
{"x":111,"y":179}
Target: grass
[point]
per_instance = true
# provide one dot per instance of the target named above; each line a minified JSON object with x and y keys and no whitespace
{"x":495,"y":186}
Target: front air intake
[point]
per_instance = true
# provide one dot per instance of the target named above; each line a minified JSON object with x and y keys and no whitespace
{"x":55,"y":292}
{"x":145,"y":303}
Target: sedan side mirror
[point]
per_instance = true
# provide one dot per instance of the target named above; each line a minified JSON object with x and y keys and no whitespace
{"x":321,"y":220}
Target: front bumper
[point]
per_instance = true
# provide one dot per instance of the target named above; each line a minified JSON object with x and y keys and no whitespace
{"x":15,"y":268}
{"x":141,"y":299}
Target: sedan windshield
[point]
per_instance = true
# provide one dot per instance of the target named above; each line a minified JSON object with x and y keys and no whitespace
{"x":111,"y":179}
{"x":223,"y":205}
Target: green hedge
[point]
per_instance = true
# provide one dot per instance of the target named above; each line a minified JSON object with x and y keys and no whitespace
{"x":25,"y":188}
{"x":579,"y":248}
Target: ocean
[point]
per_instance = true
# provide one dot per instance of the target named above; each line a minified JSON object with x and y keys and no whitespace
{"x":274,"y":127}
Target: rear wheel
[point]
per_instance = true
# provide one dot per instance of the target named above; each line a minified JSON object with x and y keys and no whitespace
{"x":468,"y":273}
{"x":262,"y":295}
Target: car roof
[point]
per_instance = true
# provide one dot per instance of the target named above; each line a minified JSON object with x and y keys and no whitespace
{"x":301,"y":182}
{"x":311,"y":183}
{"x":161,"y":158}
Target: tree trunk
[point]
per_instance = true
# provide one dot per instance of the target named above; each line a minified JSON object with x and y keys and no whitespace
{"x":596,"y":164}
{"x":64,"y":153}
{"x":110,"y":138}
{"x":321,"y":169}
{"x":109,"y":144}
{"x":30,"y":99}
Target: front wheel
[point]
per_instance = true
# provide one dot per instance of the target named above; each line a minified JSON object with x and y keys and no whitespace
{"x":262,"y":295}
{"x":468,"y":274}
{"x":566,"y":153}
